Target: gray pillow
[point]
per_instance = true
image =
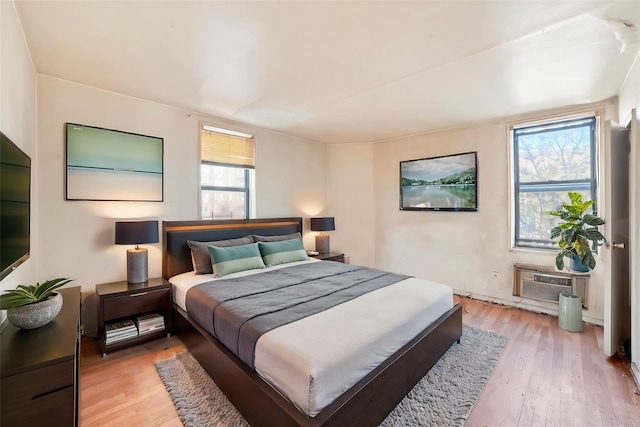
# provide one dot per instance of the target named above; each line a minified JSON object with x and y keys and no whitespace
{"x":279,"y":238}
{"x":200,"y":254}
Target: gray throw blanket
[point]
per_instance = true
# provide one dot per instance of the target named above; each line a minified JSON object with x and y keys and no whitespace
{"x":238,"y":311}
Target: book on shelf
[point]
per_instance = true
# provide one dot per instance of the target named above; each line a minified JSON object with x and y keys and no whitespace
{"x":151,"y":329}
{"x":119,"y":325}
{"x":118,"y":331}
{"x":149,"y":323}
{"x":123,"y":325}
{"x":126,"y":334}
{"x":111,"y":340}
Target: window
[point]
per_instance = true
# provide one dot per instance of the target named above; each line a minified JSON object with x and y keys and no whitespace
{"x":549,"y":161}
{"x":227,"y":163}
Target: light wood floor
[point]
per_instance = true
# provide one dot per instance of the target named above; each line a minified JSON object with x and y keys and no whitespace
{"x":545,"y":377}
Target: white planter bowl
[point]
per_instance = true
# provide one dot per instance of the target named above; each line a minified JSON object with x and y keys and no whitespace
{"x":35,"y":315}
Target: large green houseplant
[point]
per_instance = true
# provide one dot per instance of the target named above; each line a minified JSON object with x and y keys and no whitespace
{"x":577,"y":232}
{"x":32,"y":306}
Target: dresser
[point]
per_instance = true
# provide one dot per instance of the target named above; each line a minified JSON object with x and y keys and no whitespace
{"x":40,"y":369}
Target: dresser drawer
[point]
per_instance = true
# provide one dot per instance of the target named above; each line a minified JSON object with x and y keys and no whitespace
{"x":136,"y":302}
{"x":42,"y":397}
{"x":52,"y":410}
{"x":39,"y":382}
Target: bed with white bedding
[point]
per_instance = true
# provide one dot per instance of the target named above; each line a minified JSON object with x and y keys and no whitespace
{"x":346,"y":365}
{"x":314,"y":360}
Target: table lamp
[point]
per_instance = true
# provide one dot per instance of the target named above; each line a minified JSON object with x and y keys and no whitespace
{"x":322,"y":239}
{"x":136,"y":233}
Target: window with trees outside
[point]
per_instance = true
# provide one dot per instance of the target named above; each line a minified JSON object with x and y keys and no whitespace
{"x":227,"y":163}
{"x":550,"y":160}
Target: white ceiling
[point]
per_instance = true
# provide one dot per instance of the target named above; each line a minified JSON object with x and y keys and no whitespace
{"x":341,"y":71}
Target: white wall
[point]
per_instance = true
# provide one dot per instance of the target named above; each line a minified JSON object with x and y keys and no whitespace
{"x":349,"y":183}
{"x":18,"y":122}
{"x":290,"y":178}
{"x":448,"y":247}
{"x":76,"y":237}
{"x":468,"y":250}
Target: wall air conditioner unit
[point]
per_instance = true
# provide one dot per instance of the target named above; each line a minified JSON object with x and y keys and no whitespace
{"x":546,"y":284}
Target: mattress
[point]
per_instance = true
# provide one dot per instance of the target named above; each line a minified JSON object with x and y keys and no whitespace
{"x":316,"y":359}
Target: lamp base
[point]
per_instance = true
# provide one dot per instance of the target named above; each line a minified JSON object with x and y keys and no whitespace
{"x":137,"y":265}
{"x":322,"y":243}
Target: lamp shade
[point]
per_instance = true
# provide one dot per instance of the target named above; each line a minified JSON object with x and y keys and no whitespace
{"x":326,"y":223}
{"x":136,"y":232}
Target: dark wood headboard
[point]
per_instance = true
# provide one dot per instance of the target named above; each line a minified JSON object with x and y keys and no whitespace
{"x":176,"y":256}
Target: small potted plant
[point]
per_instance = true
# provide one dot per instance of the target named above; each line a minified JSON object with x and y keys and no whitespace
{"x":577,"y":231}
{"x":33,"y":306}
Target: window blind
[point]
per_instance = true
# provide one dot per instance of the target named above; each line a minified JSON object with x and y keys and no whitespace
{"x":227,"y":149}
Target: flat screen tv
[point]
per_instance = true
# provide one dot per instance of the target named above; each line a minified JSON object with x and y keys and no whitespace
{"x":15,"y":197}
{"x":444,"y":183}
{"x":106,"y":164}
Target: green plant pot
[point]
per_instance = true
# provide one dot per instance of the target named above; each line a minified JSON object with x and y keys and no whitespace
{"x":35,"y":315}
{"x":576,"y":265}
{"x":570,"y":312}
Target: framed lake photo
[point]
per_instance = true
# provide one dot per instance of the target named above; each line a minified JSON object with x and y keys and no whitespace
{"x":104,"y":164}
{"x":444,"y":183}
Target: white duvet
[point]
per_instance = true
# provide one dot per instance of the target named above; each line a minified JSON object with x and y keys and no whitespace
{"x":314,"y":360}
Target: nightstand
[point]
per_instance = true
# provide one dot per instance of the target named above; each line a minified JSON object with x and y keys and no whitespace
{"x":331,"y":256}
{"x":122,"y":301}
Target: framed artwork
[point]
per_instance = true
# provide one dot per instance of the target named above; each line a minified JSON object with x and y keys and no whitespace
{"x":444,"y":183}
{"x":104,"y":164}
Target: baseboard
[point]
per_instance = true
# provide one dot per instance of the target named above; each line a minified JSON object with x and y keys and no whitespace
{"x":524,"y":304}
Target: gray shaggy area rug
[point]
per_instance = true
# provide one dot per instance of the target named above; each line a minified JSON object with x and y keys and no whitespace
{"x":444,"y":397}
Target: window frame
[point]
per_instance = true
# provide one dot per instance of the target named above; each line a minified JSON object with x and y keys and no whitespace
{"x":248,"y":189}
{"x":245,"y":189}
{"x":590,"y":183}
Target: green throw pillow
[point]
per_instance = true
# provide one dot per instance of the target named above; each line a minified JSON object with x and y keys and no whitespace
{"x":274,"y":253}
{"x":235,"y":258}
{"x":201,"y":257}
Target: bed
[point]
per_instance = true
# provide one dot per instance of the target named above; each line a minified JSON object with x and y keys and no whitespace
{"x":261,"y":401}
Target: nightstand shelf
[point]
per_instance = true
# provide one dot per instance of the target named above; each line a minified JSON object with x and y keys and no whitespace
{"x":120,"y":301}
{"x":330,"y":256}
